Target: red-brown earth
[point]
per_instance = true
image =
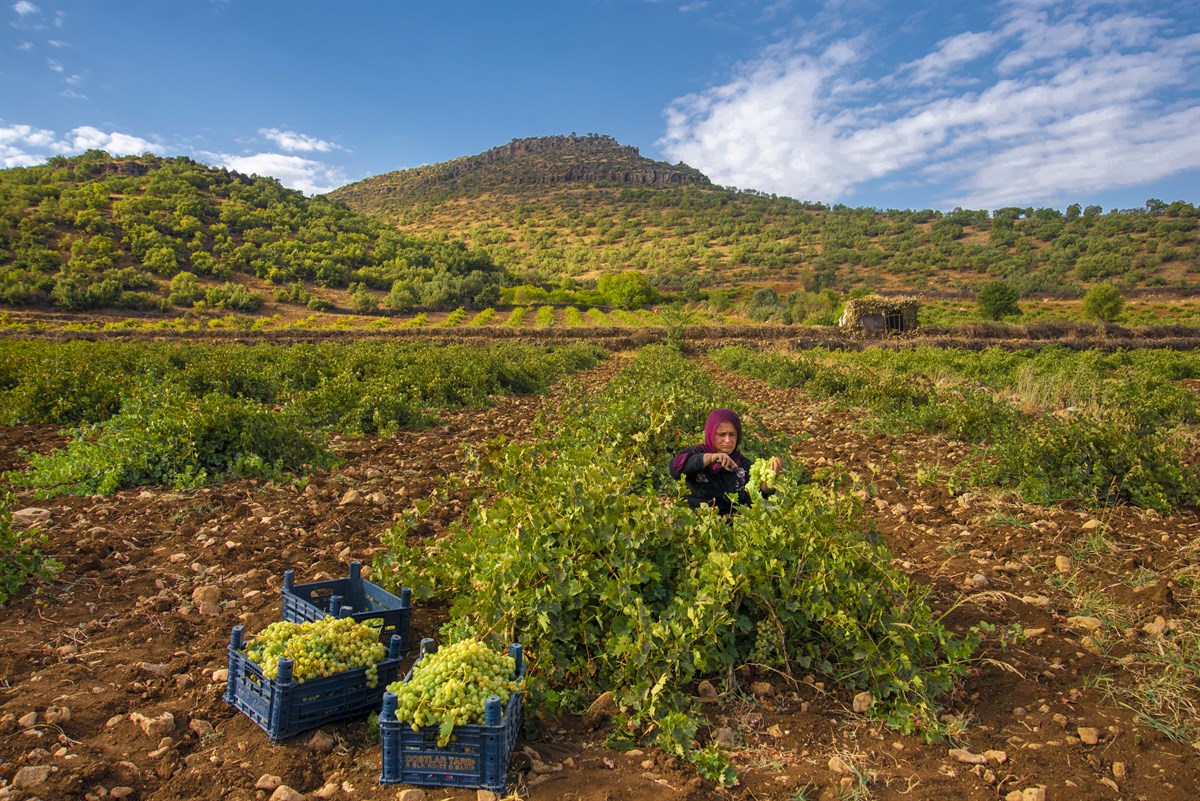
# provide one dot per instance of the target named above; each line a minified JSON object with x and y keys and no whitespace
{"x":118,"y":632}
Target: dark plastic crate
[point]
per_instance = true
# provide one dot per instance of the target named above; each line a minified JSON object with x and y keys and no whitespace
{"x":284,"y":707}
{"x":477,"y":755}
{"x":365,"y":601}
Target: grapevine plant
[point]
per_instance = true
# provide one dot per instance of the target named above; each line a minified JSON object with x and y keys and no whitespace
{"x":581,"y":549}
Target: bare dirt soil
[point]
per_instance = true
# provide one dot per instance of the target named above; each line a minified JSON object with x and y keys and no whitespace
{"x":122,"y":632}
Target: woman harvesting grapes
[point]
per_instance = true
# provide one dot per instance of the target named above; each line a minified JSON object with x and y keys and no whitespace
{"x":718,"y":473}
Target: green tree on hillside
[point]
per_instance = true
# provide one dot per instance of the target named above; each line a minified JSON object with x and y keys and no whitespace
{"x":1103,"y":302}
{"x":997,"y":299}
{"x":629,"y":290}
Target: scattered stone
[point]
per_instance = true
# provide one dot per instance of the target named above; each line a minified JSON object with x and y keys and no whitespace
{"x":1119,"y":771}
{"x":221,"y":676}
{"x":724,"y":737}
{"x":1060,"y":719}
{"x":603,"y":706}
{"x":1089,"y":735}
{"x":378,"y":498}
{"x":1156,"y":628}
{"x":268,"y":782}
{"x":1064,"y":564}
{"x":322,"y":741}
{"x":114,"y":721}
{"x":206,"y":594}
{"x":1086,"y":623}
{"x":1110,"y":784}
{"x":998,"y":757}
{"x":29,"y":517}
{"x":154,"y":727}
{"x":775,"y":730}
{"x":57,"y":714}
{"x":285,"y":793}
{"x":37,"y":756}
{"x":154,"y":669}
{"x":329,"y":790}
{"x":1091,"y":525}
{"x":32,"y":776}
{"x":201,"y":728}
{"x":863,"y":702}
{"x":1033,"y":633}
{"x":120,"y":792}
{"x":1033,"y":794}
{"x":963,"y":755}
{"x":27,"y":720}
{"x":762,"y":689}
{"x":978,"y":581}
{"x":705,"y":689}
{"x":350,"y":497}
{"x":67,"y":651}
{"x":837,"y":766}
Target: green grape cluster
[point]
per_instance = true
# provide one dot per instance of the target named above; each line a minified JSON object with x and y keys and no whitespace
{"x":318,"y":648}
{"x":761,"y":473}
{"x":450,"y":686}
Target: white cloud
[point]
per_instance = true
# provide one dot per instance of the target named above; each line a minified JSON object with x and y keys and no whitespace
{"x":54,"y":65}
{"x":26,"y":46}
{"x":297,"y":142}
{"x":956,"y":50}
{"x":1060,"y":103}
{"x":310,"y":177}
{"x":57,"y":43}
{"x":118,"y":144}
{"x":20,"y":145}
{"x":24,"y":7}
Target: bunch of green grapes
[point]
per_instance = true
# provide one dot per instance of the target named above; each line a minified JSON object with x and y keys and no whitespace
{"x":318,"y":648}
{"x":761,"y":473}
{"x":450,"y":686}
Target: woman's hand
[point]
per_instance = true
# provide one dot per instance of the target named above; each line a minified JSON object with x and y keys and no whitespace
{"x":723,"y":459}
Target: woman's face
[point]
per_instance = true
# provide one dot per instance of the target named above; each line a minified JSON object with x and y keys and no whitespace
{"x":725,"y":438}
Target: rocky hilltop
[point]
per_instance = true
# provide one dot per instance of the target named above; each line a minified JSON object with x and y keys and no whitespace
{"x":533,"y":161}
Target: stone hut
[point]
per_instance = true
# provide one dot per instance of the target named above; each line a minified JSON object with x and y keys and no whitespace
{"x":875,"y":314}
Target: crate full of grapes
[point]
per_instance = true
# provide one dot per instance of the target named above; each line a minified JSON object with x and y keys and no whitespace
{"x":454,"y":719}
{"x":353,"y":597}
{"x":292,"y":677}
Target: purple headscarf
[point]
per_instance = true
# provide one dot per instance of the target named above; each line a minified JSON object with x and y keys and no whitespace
{"x":715,"y":418}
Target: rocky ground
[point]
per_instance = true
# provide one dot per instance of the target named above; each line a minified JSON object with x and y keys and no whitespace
{"x":113,"y":673}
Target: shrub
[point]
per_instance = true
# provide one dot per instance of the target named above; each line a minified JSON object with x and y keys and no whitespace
{"x":168,"y":438}
{"x":997,"y":299}
{"x":234,"y":297}
{"x":1103,"y":302}
{"x":21,"y":561}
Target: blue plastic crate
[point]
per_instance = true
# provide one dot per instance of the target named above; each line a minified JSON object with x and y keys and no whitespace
{"x":284,"y":707}
{"x":349,"y":597}
{"x":477,"y":756}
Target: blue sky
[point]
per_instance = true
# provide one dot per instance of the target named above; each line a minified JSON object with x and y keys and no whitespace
{"x":884,"y":103}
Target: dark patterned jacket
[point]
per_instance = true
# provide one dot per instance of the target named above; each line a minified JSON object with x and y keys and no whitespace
{"x":707,"y":487}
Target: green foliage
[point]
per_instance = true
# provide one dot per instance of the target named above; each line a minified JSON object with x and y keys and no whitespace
{"x":1103,"y":302}
{"x":1099,"y":459}
{"x":572,"y":547}
{"x":169,"y":438}
{"x":998,"y":299}
{"x":21,"y":560}
{"x":361,"y":299}
{"x":1099,"y":428}
{"x":234,"y":297}
{"x":83,"y":231}
{"x":629,"y":289}
{"x":185,"y":290}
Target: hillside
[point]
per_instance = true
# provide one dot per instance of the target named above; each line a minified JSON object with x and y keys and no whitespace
{"x":579,"y":207}
{"x":155,"y":233}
